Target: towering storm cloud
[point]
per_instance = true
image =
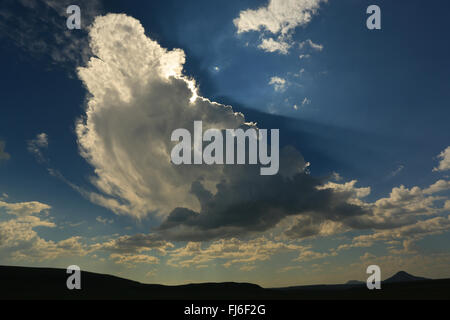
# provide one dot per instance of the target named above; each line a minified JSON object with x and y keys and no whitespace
{"x":137,"y":96}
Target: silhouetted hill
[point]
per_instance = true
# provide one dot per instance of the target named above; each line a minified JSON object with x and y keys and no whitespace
{"x":403,"y":276}
{"x":47,"y":283}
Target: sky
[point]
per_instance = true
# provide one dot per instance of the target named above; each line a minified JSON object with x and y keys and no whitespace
{"x":87,"y":115}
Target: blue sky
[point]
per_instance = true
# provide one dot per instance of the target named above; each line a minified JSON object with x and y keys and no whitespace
{"x":369,"y":105}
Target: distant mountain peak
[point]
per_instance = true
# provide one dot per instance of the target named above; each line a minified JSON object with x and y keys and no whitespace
{"x":403,"y":276}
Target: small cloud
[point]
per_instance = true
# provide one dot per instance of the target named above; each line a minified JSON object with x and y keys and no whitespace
{"x":4,"y":196}
{"x":367,"y":256}
{"x":104,"y":220}
{"x":306,"y":101}
{"x":444,"y":164}
{"x":216,"y":68}
{"x":447,"y":205}
{"x":396,"y":171}
{"x":299,"y":74}
{"x":304,"y":56}
{"x":279,"y":84}
{"x":312,"y":45}
{"x":130,"y":260}
{"x":36,"y":145}
{"x":3,"y":154}
{"x":76,"y":224}
{"x":336,"y":177}
{"x":247,"y":268}
{"x":271,"y":45}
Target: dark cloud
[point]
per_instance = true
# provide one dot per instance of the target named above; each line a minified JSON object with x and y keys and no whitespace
{"x":246,"y":202}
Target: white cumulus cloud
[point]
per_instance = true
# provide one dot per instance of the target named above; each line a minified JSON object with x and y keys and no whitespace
{"x":138,"y":97}
{"x":280,"y":18}
{"x":444,"y":163}
{"x":271,"y":45}
{"x":279,"y":84}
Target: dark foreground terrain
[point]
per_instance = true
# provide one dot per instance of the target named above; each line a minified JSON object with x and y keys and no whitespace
{"x":46,"y":283}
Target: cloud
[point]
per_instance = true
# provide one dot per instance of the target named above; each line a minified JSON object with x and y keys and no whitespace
{"x":306,"y":101}
{"x":444,"y":164}
{"x":312,"y":45}
{"x":271,"y":45}
{"x":3,"y":154}
{"x":405,"y":235}
{"x":104,"y":220}
{"x":20,"y":242}
{"x":36,"y":145}
{"x":239,"y":209}
{"x":279,"y":84}
{"x":438,"y":186}
{"x":134,"y":244}
{"x":230,"y":252}
{"x":404,"y":207}
{"x":348,"y":187}
{"x":310,"y":226}
{"x":447,"y":205}
{"x":24,"y":208}
{"x":137,"y":97}
{"x":131,"y":260}
{"x":279,"y":17}
{"x":309,"y":255}
{"x":396,"y":171}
